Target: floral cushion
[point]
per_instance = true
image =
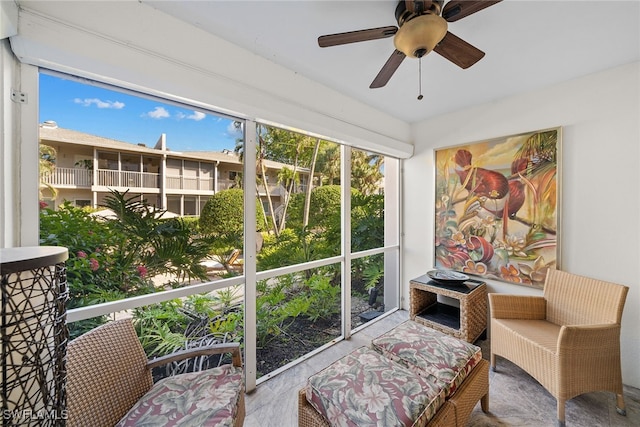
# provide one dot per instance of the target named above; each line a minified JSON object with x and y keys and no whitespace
{"x":206,"y":398}
{"x":429,"y":353}
{"x":366,"y":389}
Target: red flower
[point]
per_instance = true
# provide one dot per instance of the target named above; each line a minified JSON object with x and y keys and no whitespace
{"x":81,"y":254}
{"x":94,"y":264}
{"x":42,"y":204}
{"x":142,"y":271}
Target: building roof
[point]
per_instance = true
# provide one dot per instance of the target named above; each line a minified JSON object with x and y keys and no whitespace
{"x":50,"y":132}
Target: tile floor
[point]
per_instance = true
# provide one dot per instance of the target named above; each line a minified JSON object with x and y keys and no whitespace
{"x":515,"y":398}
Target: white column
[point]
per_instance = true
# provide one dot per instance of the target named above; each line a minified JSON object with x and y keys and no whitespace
{"x":250,"y":334}
{"x":345,"y":212}
{"x":391,"y":232}
{"x":29,"y":154}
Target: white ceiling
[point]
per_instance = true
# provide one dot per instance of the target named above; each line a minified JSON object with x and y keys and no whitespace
{"x":528,"y":45}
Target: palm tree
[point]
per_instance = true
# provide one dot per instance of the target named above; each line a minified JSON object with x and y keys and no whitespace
{"x":328,"y":164}
{"x":307,"y":196}
{"x":47,"y":166}
{"x":289,"y":179}
{"x":261,"y":173}
{"x":261,"y":153}
{"x":163,"y":246}
{"x":366,"y":171}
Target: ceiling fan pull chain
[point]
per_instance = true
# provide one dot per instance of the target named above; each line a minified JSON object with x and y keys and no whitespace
{"x":420,"y":79}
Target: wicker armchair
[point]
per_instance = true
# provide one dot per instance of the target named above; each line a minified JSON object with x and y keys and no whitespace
{"x":109,"y":381}
{"x":568,"y":339}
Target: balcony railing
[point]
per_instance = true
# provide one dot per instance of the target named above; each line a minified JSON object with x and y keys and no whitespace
{"x":113,"y":178}
{"x":68,"y":177}
{"x":181,"y":182}
{"x":82,"y":178}
{"x":275,"y":190}
{"x":225,"y":184}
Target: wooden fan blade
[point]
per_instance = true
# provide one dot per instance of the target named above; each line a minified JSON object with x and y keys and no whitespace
{"x":388,"y":69}
{"x":356,"y":36}
{"x":458,"y":9}
{"x":458,"y":51}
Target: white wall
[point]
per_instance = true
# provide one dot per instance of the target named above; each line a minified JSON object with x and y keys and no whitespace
{"x":7,"y":214}
{"x":600,"y":184}
{"x":18,"y":183}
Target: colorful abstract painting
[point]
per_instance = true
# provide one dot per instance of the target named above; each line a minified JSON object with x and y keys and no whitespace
{"x":496,"y":207}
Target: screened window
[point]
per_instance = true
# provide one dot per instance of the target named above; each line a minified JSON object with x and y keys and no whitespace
{"x":325,"y":220}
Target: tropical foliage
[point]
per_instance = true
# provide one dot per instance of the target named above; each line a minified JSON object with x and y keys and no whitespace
{"x":222,"y":219}
{"x":114,"y":259}
{"x":47,"y":164}
{"x":162,"y":246}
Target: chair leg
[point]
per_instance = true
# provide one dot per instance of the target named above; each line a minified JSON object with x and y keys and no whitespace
{"x":484,"y":403}
{"x":560,"y":410}
{"x":492,"y":360}
{"x":620,"y":407}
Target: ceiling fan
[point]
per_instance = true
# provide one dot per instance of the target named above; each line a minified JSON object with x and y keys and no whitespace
{"x":422,"y":27}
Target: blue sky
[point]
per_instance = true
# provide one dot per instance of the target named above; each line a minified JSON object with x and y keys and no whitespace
{"x":128,"y":118}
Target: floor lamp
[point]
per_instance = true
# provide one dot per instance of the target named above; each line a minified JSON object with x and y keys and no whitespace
{"x":34,"y":335}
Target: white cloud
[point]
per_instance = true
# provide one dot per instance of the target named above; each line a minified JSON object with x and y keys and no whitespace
{"x":158,"y":113}
{"x":88,"y":102}
{"x":196,"y":116}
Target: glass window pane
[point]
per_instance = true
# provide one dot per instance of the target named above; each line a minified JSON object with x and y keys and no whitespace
{"x":368,"y":299}
{"x":108,"y":161}
{"x":173,"y":204}
{"x":174,"y":166}
{"x":367,"y":200}
{"x":148,"y":153}
{"x":151,"y":164}
{"x":190,"y":205}
{"x":374,"y":213}
{"x":296,"y":314}
{"x":190,"y":175}
{"x":129,"y":162}
{"x":190,"y":322}
{"x":195,"y":169}
{"x":301,"y":216}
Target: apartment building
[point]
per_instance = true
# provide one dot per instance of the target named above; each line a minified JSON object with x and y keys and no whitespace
{"x":88,"y":167}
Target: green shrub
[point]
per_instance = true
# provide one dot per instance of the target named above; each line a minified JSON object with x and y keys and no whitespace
{"x":223,"y":214}
{"x":324,"y":298}
{"x":324,"y":211}
{"x":96,"y":273}
{"x":165,"y":327}
{"x":115,"y":259}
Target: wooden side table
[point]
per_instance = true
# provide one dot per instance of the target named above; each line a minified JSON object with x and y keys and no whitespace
{"x":468,"y":322}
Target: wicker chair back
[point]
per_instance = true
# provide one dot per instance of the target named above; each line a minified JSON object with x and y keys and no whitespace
{"x":109,"y":361}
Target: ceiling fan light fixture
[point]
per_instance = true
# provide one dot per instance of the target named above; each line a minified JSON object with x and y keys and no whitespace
{"x":420,"y":35}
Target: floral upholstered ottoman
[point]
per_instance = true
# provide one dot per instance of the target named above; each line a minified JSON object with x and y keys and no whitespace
{"x":429,"y":353}
{"x":412,"y":376}
{"x":365,"y":388}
